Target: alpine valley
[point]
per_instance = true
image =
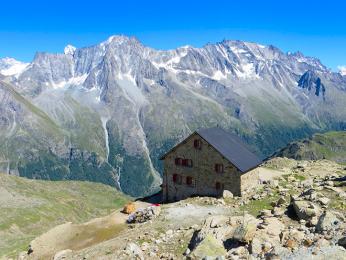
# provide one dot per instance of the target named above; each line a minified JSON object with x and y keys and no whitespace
{"x":106,"y":113}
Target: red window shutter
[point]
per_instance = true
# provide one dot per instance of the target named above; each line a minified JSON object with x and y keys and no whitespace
{"x":216,"y":167}
{"x":184,"y":162}
{"x":221,"y":167}
{"x":175,"y":177}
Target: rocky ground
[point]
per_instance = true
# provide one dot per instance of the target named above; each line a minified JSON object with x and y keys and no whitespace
{"x":300,"y":214}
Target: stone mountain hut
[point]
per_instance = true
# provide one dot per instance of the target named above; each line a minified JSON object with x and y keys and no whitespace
{"x":206,"y":163}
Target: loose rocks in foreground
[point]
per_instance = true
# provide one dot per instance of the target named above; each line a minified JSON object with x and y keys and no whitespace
{"x":143,"y":215}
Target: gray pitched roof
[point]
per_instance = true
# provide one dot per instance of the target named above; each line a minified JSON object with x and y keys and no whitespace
{"x":231,"y":147}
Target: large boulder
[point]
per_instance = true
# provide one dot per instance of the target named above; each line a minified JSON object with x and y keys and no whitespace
{"x":324,"y":201}
{"x":268,"y":237}
{"x":292,"y":238}
{"x":134,"y":251}
{"x":215,"y":226}
{"x":273,"y":226}
{"x":342,"y":242}
{"x":209,"y":247}
{"x":327,"y":222}
{"x":281,"y":201}
{"x":305,"y":209}
{"x":226,"y":194}
{"x":308,"y":183}
{"x":246,"y":230}
{"x":219,"y":230}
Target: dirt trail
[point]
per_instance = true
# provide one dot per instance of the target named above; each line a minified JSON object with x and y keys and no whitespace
{"x":79,"y":236}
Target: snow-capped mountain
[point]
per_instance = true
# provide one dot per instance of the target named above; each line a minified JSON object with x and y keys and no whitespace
{"x":342,"y":70}
{"x":117,"y":106}
{"x":10,"y":66}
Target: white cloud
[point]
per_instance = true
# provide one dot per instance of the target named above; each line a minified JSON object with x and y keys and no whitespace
{"x":342,"y":70}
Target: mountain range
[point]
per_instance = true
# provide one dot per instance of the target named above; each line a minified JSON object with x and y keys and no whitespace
{"x":106,"y":113}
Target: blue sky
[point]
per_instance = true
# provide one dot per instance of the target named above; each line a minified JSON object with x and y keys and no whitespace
{"x":316,"y":28}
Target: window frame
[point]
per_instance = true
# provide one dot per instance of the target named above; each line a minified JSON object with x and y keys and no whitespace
{"x":189,"y":163}
{"x":219,"y":168}
{"x":177,"y":178}
{"x":219,"y":186}
{"x":178,"y":161}
{"x":197,"y":144}
{"x":188,"y":183}
{"x":184,"y":162}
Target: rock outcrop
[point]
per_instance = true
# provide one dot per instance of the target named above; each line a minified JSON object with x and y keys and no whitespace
{"x":143,"y":215}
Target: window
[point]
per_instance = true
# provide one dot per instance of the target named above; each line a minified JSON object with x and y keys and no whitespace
{"x":218,"y":186}
{"x":197,"y":144}
{"x":177,"y":178}
{"x":219,"y":168}
{"x":178,"y":161}
{"x":183,"y":162}
{"x":187,"y":162}
{"x":189,"y":181}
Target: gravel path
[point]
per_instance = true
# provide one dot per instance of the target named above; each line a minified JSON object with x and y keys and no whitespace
{"x":193,"y":213}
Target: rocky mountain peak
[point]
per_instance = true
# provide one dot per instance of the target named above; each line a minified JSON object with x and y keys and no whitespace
{"x":311,"y":81}
{"x":69,"y":49}
{"x":10,"y":66}
{"x":121,"y":40}
{"x":342,"y":70}
{"x":314,"y":62}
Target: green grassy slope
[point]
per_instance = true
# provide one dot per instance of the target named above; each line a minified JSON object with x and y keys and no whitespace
{"x":330,"y":145}
{"x":31,"y":207}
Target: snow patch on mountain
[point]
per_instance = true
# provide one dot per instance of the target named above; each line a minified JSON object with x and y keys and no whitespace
{"x":247,"y":71}
{"x":132,"y":92}
{"x":118,"y":39}
{"x":342,"y":70}
{"x":69,"y":49}
{"x":12,"y":67}
{"x":237,"y":50}
{"x":74,"y":81}
{"x":218,"y":75}
{"x":174,"y":59}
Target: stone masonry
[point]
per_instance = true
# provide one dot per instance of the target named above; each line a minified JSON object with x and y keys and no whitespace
{"x":202,"y":178}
